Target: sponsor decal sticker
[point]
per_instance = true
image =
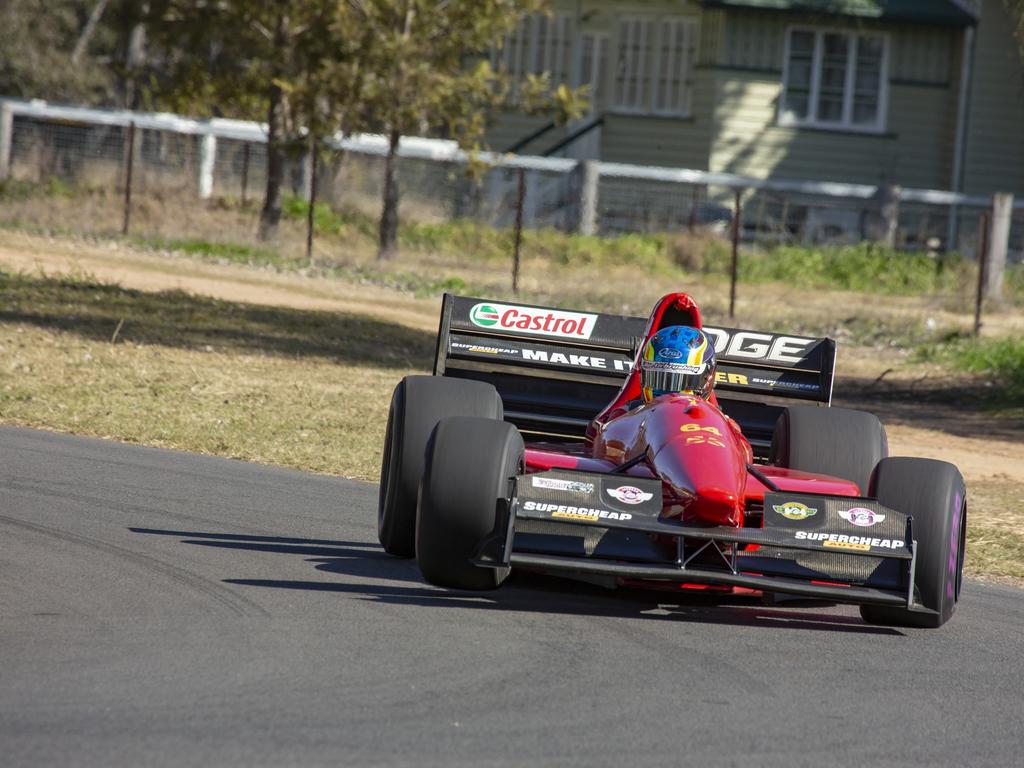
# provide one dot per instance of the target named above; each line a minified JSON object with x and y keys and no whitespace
{"x":568,"y":512}
{"x":674,"y":367}
{"x":629,"y":494}
{"x":695,"y":427}
{"x":573,"y":514}
{"x":541,"y":322}
{"x":801,"y":385}
{"x":794,"y":510}
{"x":558,"y":484}
{"x":670,"y":353}
{"x":750,"y":345}
{"x":847,"y":545}
{"x":702,"y":439}
{"x":861,"y":516}
{"x":484,"y":315}
{"x":484,"y":350}
{"x":558,"y":358}
{"x":845,"y":541}
{"x":721,"y":377}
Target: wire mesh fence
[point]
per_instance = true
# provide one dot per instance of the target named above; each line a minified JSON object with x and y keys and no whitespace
{"x":178,"y":162}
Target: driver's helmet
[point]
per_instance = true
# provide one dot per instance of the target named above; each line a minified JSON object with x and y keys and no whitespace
{"x":677,"y":360}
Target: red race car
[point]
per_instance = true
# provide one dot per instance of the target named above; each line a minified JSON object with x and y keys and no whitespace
{"x":555,"y":440}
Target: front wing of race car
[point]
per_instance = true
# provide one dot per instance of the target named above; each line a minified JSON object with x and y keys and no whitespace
{"x":838,"y":548}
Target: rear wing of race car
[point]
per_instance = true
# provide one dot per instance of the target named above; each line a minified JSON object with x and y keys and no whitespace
{"x":557,"y":369}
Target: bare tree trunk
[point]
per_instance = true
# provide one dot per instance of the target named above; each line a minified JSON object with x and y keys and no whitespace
{"x":135,"y":60}
{"x":87,"y":31}
{"x":270,"y":216}
{"x":388,"y":242}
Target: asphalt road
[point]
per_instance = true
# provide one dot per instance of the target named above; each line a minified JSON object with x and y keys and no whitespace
{"x":162,"y":608}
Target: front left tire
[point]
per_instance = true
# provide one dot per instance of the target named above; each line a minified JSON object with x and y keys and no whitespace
{"x":465,"y":489}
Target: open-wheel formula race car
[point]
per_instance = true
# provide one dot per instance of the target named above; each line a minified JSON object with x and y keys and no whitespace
{"x":532,"y":446}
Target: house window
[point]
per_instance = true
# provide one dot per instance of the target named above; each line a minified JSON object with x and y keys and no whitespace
{"x":835,"y":80}
{"x":539,"y":43}
{"x":655,"y":65}
{"x":677,"y":46}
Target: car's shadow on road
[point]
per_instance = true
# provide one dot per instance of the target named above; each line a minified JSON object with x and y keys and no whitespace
{"x":524,"y":591}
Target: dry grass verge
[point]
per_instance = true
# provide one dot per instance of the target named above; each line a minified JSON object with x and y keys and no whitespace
{"x":304,"y":389}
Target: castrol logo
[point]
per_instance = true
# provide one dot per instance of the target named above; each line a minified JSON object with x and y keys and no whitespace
{"x":537,"y":322}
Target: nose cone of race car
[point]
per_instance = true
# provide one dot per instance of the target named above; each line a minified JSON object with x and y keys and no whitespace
{"x":700,"y":460}
{"x":692,"y":448}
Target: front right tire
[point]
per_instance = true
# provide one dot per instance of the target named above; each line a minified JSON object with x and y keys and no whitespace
{"x":934,"y":494}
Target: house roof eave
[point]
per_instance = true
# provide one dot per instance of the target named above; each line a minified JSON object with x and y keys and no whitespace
{"x":947,"y":13}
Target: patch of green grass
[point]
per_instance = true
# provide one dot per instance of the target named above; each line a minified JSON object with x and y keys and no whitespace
{"x":466,"y":237}
{"x":863,"y":267}
{"x":17,"y":190}
{"x":235,"y":252}
{"x":1001,"y":359}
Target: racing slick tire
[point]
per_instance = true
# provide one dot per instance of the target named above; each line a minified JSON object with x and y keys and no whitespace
{"x":829,"y":441}
{"x":417,"y":404}
{"x":933,"y":493}
{"x":468,"y":465}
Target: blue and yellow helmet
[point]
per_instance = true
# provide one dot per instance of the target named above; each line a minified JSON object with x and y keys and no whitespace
{"x":677,"y":360}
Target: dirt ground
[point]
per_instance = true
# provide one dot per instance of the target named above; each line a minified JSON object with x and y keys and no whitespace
{"x":983,"y":447}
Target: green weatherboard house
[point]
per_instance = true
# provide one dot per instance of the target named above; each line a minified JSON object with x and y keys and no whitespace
{"x":922,"y":93}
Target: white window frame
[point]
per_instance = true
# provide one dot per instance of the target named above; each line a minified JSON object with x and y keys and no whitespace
{"x":595,"y":75}
{"x":523,"y":54}
{"x":845,"y":125}
{"x":690,"y":31}
{"x":651,"y":101}
{"x":627,"y":100}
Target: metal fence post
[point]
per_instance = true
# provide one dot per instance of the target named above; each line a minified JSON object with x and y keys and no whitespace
{"x":207,"y":158}
{"x":691,"y":218}
{"x":130,"y":162}
{"x":737,"y":213}
{"x":520,"y":202}
{"x":998,"y":244}
{"x":6,"y":131}
{"x":312,"y":203}
{"x":982,"y":259}
{"x":245,"y":170}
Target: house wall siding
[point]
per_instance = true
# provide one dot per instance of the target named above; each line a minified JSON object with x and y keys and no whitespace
{"x":915,"y":150}
{"x":995,"y":148}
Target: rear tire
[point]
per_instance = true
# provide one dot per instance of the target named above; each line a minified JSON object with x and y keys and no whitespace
{"x":829,"y":441}
{"x":417,"y":404}
{"x":469,"y":463}
{"x":933,"y":493}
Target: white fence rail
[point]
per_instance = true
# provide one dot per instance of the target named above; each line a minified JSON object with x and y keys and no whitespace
{"x":227,"y":157}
